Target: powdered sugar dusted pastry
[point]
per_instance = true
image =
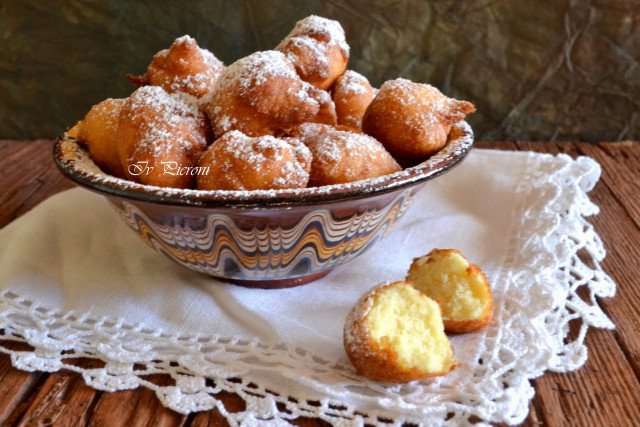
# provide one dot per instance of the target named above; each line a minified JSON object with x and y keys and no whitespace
{"x":341,"y":156}
{"x":307,"y":130}
{"x":352,"y":94}
{"x":184,"y":67}
{"x":318,"y":49}
{"x":327,"y":112}
{"x":161,"y":137}
{"x":412,"y":120}
{"x":260,"y":95}
{"x":98,"y":130}
{"x":460,"y":287}
{"x":239,"y":162}
{"x":394,"y":333}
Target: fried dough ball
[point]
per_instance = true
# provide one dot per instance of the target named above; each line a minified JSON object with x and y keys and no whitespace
{"x":412,"y":120}
{"x":306,"y":130}
{"x":395,"y":334}
{"x":161,"y":136}
{"x":98,"y":130}
{"x":327,"y":112}
{"x":352,"y":94}
{"x":184,"y":67}
{"x":240,"y":162}
{"x":462,"y":289}
{"x":318,"y":49}
{"x":260,"y":95}
{"x":344,"y":156}
{"x":74,"y":130}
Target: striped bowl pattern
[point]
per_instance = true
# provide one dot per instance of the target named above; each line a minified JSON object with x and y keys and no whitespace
{"x":266,"y":244}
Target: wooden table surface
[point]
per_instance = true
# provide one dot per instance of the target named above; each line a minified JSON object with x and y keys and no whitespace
{"x":605,"y":391}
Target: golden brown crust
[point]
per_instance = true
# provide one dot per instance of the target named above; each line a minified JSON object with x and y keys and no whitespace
{"x":308,"y":129}
{"x":239,"y":162}
{"x":159,"y":135}
{"x":97,"y":130}
{"x":352,"y":94}
{"x":412,"y":120}
{"x":318,"y":50}
{"x":341,"y":156}
{"x":184,"y":67}
{"x":260,"y":95}
{"x":327,"y":111}
{"x":74,"y":131}
{"x":378,"y":361}
{"x":457,"y":326}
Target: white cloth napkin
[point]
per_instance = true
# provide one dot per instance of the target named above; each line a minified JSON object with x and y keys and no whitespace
{"x":74,"y":277}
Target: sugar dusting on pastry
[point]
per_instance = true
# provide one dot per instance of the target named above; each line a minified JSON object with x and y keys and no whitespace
{"x":172,"y":108}
{"x":318,"y":49}
{"x":260,"y":94}
{"x":184,"y":67}
{"x":239,"y":162}
{"x":352,"y":95}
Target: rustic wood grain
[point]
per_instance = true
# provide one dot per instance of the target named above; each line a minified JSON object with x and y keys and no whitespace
{"x":623,"y":251}
{"x":620,"y":165}
{"x":62,"y":399}
{"x":15,"y":385}
{"x":587,"y":397}
{"x":28,"y":176}
{"x":605,"y":391}
{"x":139,"y":407}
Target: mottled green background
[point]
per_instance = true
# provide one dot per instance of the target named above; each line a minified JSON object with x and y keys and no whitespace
{"x":548,"y":70}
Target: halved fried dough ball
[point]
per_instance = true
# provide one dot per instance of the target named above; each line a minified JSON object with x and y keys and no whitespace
{"x":240,"y":162}
{"x":161,"y":136}
{"x":395,"y":334}
{"x":318,"y":49}
{"x":184,"y":67}
{"x":352,"y":94}
{"x":260,"y":95}
{"x":98,"y":130}
{"x":412,"y":120}
{"x":460,"y":287}
{"x":344,"y":156}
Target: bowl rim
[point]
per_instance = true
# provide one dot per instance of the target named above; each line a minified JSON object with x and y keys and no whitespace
{"x":73,"y":161}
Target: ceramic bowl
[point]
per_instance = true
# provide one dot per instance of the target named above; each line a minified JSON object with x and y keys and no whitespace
{"x":266,"y":239}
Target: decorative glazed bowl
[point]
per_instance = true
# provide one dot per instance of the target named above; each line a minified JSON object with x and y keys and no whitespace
{"x":266,"y":239}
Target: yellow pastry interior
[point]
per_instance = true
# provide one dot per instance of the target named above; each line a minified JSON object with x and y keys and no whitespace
{"x":460,"y":287}
{"x":410,"y":325}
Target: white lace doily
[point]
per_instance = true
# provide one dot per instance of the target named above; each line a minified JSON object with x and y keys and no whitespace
{"x":552,"y":253}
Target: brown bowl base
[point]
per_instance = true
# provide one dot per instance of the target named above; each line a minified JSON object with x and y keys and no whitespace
{"x":278,"y":283}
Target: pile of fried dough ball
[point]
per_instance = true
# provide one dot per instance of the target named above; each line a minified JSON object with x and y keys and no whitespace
{"x":292,"y":117}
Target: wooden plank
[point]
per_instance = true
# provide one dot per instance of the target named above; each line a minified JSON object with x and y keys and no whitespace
{"x":138,"y":407}
{"x":497,"y":145}
{"x":604,"y":391}
{"x":28,"y":176}
{"x":63,"y":398}
{"x":596,"y":392}
{"x":15,"y":385}
{"x":619,"y":228}
{"x":620,"y":165}
{"x":621,"y":234}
